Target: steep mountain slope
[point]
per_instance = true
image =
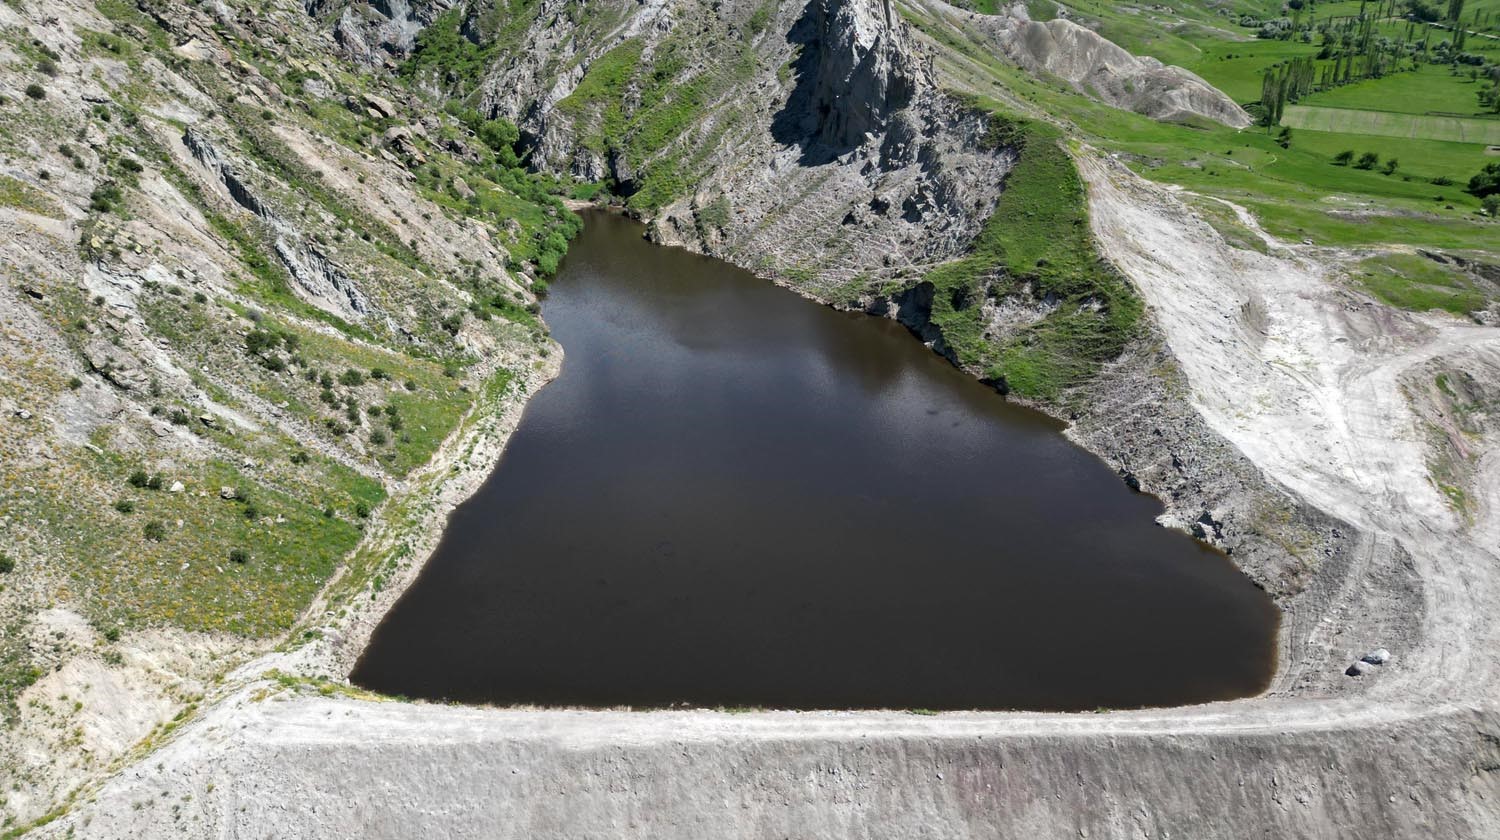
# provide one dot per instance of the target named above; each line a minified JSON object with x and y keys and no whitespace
{"x":239,"y":318}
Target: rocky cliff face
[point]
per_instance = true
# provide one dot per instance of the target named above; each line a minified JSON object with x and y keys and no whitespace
{"x":867,"y":70}
{"x":811,"y":143}
{"x":379,"y":32}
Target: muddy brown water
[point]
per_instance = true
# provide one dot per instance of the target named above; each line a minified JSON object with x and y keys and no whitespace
{"x":736,"y":497}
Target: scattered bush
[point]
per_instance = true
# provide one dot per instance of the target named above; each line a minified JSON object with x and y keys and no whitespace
{"x":36,"y":91}
{"x":154,"y":482}
{"x":138,"y":479}
{"x":112,"y":634}
{"x":7,"y":565}
{"x":259,"y":341}
{"x":75,"y":383}
{"x":155,"y":530}
{"x":300,"y":458}
{"x":362,"y":510}
{"x":351,"y":378}
{"x":105,"y":197}
{"x":251,"y":511}
{"x":125,"y":506}
{"x":239,"y":555}
{"x":1487,"y":182}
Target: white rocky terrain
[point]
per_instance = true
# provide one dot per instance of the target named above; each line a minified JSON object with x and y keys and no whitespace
{"x":1278,"y":414}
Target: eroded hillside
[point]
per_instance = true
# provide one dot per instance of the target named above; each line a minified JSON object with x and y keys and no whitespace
{"x":247,"y":299}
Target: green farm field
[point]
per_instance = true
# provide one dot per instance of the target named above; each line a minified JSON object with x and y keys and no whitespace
{"x":1389,"y":124}
{"x":1426,"y":90}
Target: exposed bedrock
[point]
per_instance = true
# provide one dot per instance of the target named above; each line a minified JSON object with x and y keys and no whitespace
{"x":377,"y":31}
{"x":317,"y":277}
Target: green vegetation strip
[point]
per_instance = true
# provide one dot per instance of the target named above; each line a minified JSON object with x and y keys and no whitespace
{"x":1388,"y":124}
{"x":1037,"y":249}
{"x":1413,"y":282}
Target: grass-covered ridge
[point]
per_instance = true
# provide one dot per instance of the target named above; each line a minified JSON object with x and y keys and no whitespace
{"x":1035,"y":251}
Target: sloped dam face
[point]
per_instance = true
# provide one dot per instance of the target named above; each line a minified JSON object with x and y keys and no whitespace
{"x":736,"y":497}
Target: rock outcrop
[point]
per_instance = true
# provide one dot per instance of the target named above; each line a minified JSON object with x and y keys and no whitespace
{"x":1100,"y":68}
{"x":379,"y":31}
{"x":318,"y":278}
{"x":867,"y":69}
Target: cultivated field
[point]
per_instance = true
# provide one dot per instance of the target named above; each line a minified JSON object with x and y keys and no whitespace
{"x":1388,"y":124}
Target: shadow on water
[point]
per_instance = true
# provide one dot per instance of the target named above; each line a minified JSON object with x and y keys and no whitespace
{"x":732,"y":496}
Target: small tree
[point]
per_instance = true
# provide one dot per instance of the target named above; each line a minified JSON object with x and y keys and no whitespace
{"x":1487,"y":182}
{"x":1343,"y":158}
{"x":1491,"y":204}
{"x":1390,"y":166}
{"x":1367,"y":161}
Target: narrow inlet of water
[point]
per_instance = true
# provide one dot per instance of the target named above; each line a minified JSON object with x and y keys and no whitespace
{"x":735,"y":497}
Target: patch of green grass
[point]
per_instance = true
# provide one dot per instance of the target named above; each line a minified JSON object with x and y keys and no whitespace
{"x":1037,"y":238}
{"x":444,"y":53}
{"x":23,"y":196}
{"x":184,"y":578}
{"x":376,"y":561}
{"x":428,"y":413}
{"x":1392,"y":124}
{"x":17,"y":671}
{"x":1428,"y":89}
{"x":603,"y":86}
{"x":1414,"y":282}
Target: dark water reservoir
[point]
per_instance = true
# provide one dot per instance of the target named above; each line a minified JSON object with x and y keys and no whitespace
{"x":735,"y":497}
